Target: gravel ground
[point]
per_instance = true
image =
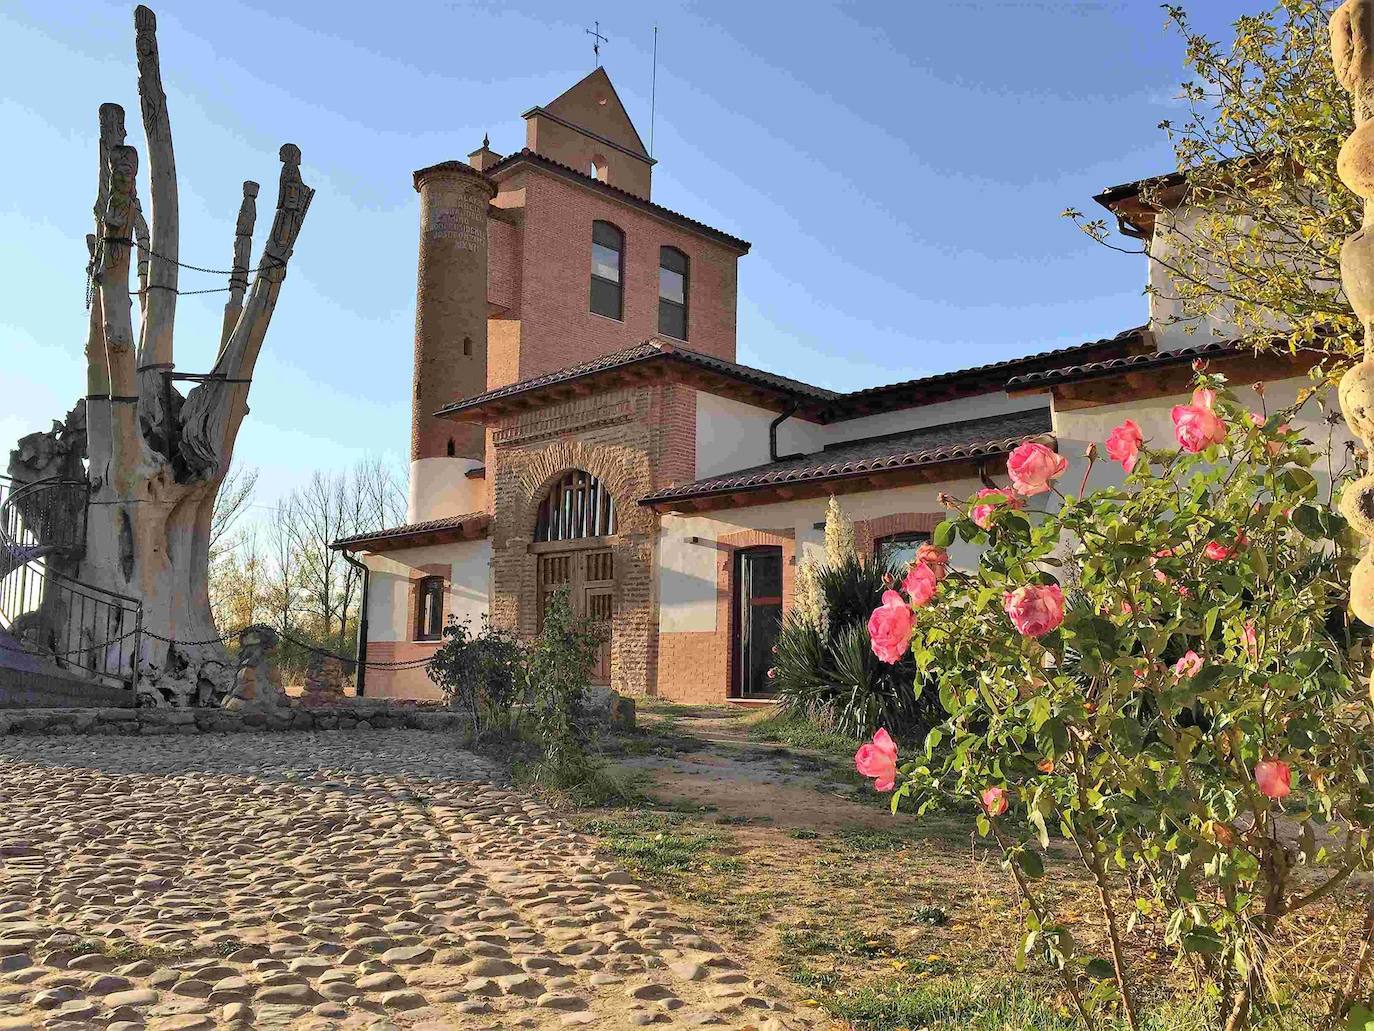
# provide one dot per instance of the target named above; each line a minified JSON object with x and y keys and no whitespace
{"x":343,"y":879}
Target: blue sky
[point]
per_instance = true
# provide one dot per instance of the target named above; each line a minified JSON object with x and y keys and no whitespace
{"x":898,"y":167}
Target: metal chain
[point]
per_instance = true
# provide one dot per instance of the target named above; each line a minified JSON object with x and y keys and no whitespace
{"x":75,"y":651}
{"x":268,"y":261}
{"x":292,"y":638}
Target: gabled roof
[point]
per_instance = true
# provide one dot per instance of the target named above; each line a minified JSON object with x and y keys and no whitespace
{"x":470,"y":526}
{"x":570,"y":108}
{"x":763,"y":387}
{"x":867,"y":463}
{"x":960,"y":382}
{"x":529,"y":157}
{"x":779,"y":393}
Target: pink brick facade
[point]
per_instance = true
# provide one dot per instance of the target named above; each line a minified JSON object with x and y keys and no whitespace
{"x":551,"y":248}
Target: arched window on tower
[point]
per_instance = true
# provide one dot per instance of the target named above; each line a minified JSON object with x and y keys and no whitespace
{"x":672,"y":292}
{"x":578,"y":506}
{"x":608,"y":269}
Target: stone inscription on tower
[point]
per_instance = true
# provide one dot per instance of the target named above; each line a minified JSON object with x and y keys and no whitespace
{"x":465,"y":224}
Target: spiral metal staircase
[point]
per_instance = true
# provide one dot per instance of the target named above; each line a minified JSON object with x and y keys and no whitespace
{"x":62,"y":641}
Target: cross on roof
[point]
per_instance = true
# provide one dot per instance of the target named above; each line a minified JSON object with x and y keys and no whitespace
{"x":597,"y":40}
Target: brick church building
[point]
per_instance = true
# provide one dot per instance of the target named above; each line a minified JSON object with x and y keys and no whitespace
{"x":579,"y":419}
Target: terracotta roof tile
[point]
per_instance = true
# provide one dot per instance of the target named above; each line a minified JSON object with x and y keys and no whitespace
{"x":1130,"y":363}
{"x":472,"y":520}
{"x":929,"y":445}
{"x":525,"y":154}
{"x":649,"y":350}
{"x":1137,"y":338}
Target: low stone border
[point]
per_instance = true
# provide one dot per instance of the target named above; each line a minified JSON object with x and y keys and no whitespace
{"x":356,"y":714}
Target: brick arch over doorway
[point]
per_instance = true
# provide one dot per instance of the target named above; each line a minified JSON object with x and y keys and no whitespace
{"x":524,"y":477}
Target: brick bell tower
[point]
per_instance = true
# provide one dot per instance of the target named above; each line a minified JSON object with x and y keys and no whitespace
{"x":450,"y":339}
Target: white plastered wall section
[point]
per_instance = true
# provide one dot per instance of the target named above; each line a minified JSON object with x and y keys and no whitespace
{"x":687,"y":569}
{"x":732,"y":435}
{"x":391,"y":574}
{"x":1174,"y":231}
{"x":440,"y":487}
{"x":1076,"y":429}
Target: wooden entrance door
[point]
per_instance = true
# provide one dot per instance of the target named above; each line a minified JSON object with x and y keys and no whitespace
{"x":758,"y":617}
{"x":589,"y":575}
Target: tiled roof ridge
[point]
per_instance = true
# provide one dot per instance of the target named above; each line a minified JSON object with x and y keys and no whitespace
{"x":1055,"y":352}
{"x":406,"y":529}
{"x":654,"y":347}
{"x":835,"y":402}
{"x":1135,"y":362}
{"x":525,"y":154}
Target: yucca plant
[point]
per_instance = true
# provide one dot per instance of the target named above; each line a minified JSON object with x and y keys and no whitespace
{"x":829,"y":673}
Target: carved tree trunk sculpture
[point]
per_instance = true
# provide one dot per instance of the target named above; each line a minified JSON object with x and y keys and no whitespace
{"x":155,"y":459}
{"x":1352,"y":48}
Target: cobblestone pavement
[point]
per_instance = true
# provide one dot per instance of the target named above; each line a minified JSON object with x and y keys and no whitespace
{"x":344,"y":879}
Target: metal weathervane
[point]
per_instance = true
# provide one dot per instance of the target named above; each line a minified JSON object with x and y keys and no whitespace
{"x":597,"y":40}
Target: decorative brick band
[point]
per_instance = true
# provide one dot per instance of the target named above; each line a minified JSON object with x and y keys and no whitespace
{"x":532,"y":429}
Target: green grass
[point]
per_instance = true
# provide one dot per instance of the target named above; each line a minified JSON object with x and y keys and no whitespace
{"x":799,"y":733}
{"x":657,"y":844}
{"x":990,"y":1004}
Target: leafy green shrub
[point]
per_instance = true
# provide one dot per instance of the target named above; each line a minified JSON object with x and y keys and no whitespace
{"x":1162,"y":673}
{"x":558,"y":671}
{"x":828,"y":674}
{"x":482,"y":673}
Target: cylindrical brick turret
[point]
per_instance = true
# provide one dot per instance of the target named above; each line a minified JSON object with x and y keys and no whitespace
{"x":450,"y":333}
{"x":450,"y":306}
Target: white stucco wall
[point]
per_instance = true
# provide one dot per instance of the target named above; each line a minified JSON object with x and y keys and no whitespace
{"x":440,"y":488}
{"x":961,"y":410}
{"x":687,"y":571}
{"x":1076,"y":429}
{"x":390,"y":576}
{"x":732,"y":435}
{"x":1174,"y":229}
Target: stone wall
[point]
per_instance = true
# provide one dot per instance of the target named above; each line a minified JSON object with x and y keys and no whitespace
{"x":356,"y":714}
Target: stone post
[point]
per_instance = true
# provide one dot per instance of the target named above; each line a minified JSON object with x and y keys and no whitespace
{"x":1352,"y":36}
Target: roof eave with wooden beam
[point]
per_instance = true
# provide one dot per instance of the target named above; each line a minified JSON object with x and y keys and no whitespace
{"x":656,"y":369}
{"x":821,"y":487}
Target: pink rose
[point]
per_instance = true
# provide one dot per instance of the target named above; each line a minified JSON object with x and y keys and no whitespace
{"x":1274,"y":778}
{"x":994,"y":801}
{"x":920,"y":584}
{"x":889,"y":627}
{"x":1036,"y":609}
{"x":1197,"y":427}
{"x":935,"y":557}
{"x":1275,"y":447}
{"x":878,"y":760}
{"x":1189,"y":666}
{"x":1251,"y":639}
{"x":1032,"y":466}
{"x":1204,"y":398}
{"x":1123,"y":444}
{"x":772,"y":673}
{"x":1218,"y":552}
{"x":985,"y":513}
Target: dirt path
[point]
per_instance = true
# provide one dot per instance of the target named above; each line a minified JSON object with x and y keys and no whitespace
{"x":716,"y":765}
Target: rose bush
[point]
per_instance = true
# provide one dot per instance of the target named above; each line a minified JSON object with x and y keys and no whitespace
{"x":1162,"y":674}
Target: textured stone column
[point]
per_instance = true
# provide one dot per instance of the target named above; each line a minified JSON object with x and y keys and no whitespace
{"x":1351,"y":43}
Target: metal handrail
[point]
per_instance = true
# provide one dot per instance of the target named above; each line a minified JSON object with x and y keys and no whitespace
{"x":83,"y":609}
